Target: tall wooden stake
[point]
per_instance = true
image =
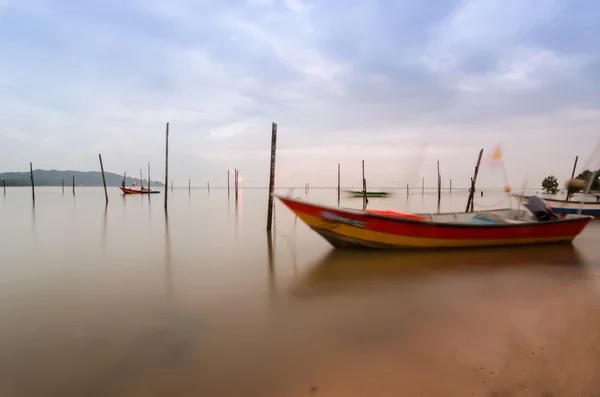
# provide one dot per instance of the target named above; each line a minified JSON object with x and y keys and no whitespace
{"x":148,"y":176}
{"x":364,"y":186}
{"x":167,"y":165}
{"x":470,"y":203}
{"x":208,"y":185}
{"x":4,"y":185}
{"x":450,"y":185}
{"x":73,"y":185}
{"x":407,"y":191}
{"x":228,"y":188}
{"x":190,"y":186}
{"x":235,"y":181}
{"x":63,"y":185}
{"x":272,"y":176}
{"x":103,"y":178}
{"x":172,"y":186}
{"x":32,"y":183}
{"x":141,"y":180}
{"x":338,"y":184}
{"x":439,"y":186}
{"x":423,"y":187}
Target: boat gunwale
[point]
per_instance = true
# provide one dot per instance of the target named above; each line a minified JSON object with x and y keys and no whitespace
{"x":578,"y":218}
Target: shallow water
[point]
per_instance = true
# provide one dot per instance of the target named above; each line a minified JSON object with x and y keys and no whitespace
{"x":122,"y":300}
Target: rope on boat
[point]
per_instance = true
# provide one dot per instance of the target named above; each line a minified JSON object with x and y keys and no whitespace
{"x":490,"y":206}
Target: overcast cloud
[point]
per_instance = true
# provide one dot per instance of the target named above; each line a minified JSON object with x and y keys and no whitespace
{"x":399,"y":84}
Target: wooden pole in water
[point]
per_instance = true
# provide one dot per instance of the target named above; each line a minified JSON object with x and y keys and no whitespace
{"x":338,"y":184}
{"x":166,"y":165}
{"x":439,"y":186}
{"x":470,"y":201}
{"x":141,"y":180}
{"x":190,"y":186}
{"x":407,"y":191}
{"x":172,"y":186}
{"x":450,"y":185}
{"x":364,"y":186}
{"x":572,"y":176}
{"x":103,"y":178}
{"x":148,"y":176}
{"x":4,"y":185}
{"x":208,"y":184}
{"x":228,"y":188}
{"x":73,"y":185}
{"x":63,"y":185}
{"x":235,"y":182}
{"x":272,"y":176}
{"x":32,"y":182}
{"x":423,"y":187}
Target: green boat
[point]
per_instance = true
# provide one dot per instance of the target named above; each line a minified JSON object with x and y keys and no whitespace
{"x":359,"y":193}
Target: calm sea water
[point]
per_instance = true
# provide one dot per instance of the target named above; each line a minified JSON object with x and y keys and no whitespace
{"x":123,"y":300}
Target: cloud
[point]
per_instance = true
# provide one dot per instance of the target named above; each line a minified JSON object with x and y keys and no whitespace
{"x":345,"y":81}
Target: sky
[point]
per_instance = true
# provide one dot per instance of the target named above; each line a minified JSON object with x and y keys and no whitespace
{"x":400,"y":84}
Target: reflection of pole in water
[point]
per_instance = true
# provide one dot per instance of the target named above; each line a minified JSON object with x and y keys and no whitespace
{"x":168,"y":270}
{"x":271,"y":262}
{"x":103,"y":245}
{"x":238,"y":212}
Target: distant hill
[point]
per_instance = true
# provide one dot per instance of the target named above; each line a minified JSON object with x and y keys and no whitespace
{"x":55,"y":178}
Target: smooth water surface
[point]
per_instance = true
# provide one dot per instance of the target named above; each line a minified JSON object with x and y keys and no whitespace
{"x":126,"y":300}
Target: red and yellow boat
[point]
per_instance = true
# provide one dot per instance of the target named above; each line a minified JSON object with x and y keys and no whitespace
{"x":143,"y":190}
{"x":387,"y":229}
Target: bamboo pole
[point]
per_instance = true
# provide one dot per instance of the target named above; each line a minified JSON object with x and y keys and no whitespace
{"x":407,"y":191}
{"x":338,"y":190}
{"x":208,"y":185}
{"x":272,"y":176}
{"x":32,"y":182}
{"x":63,"y":185}
{"x":228,"y":188}
{"x":450,"y":185}
{"x":73,"y":185}
{"x":172,"y":186}
{"x":235,"y":181}
{"x":4,"y":185}
{"x":189,"y":186}
{"x":103,"y":178}
{"x":148,"y":176}
{"x":423,"y":186}
{"x":166,"y":164}
{"x":141,"y":180}
{"x":470,"y":201}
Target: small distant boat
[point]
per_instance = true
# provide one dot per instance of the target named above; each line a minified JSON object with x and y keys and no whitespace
{"x":345,"y":228}
{"x":563,"y":207}
{"x":143,"y":190}
{"x":359,"y":193}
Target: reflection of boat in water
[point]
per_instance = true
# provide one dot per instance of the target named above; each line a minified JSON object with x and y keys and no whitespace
{"x":143,"y":190}
{"x":359,"y":193}
{"x":359,"y":267}
{"x":563,"y":207}
{"x":349,"y":227}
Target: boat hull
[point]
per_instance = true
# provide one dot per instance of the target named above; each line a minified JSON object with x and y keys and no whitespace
{"x":135,"y":191}
{"x":369,"y":194}
{"x":350,"y":228}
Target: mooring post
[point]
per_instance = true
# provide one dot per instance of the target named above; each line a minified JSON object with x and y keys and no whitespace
{"x":148,"y":176}
{"x":172,"y":186}
{"x":73,"y":185}
{"x":228,"y":188}
{"x":166,"y":164}
{"x":439,"y":186}
{"x":450,"y":185}
{"x":272,"y":176}
{"x":190,"y":186}
{"x":32,"y":183}
{"x":338,"y":184}
{"x":103,"y":178}
{"x":141,"y":180}
{"x":235,"y":181}
{"x":423,"y":187}
{"x":364,"y":186}
{"x":470,"y":201}
{"x":63,"y":186}
{"x":407,"y":191}
{"x":4,"y":185}
{"x":208,"y":186}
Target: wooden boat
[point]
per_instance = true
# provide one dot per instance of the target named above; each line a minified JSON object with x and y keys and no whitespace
{"x":355,"y":228}
{"x":359,"y":193}
{"x":143,"y":190}
{"x":563,"y":207}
